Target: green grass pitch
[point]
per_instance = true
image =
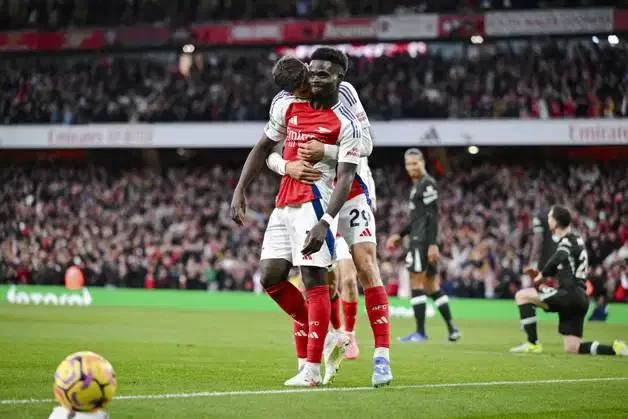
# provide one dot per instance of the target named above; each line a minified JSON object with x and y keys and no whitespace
{"x":217,"y":353}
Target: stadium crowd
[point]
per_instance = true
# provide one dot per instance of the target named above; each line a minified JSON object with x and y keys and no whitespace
{"x":52,"y":14}
{"x":554,"y":79}
{"x":137,"y":228}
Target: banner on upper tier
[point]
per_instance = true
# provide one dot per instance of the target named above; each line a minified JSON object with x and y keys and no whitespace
{"x":86,"y":39}
{"x":549,"y":22}
{"x":456,"y":26}
{"x":407,"y":27}
{"x":285,"y":31}
{"x":422,"y":133}
{"x":146,"y":36}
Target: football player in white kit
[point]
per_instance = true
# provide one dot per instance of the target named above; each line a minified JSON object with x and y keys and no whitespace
{"x":300,"y":229}
{"x":356,"y":225}
{"x":301,"y":222}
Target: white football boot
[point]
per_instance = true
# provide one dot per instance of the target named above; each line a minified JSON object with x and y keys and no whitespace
{"x":336,"y":344}
{"x":308,"y":376}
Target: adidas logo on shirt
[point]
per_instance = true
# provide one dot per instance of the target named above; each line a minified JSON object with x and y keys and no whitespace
{"x":293,"y":120}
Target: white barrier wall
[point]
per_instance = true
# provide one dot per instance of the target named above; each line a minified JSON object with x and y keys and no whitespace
{"x":245,"y":134}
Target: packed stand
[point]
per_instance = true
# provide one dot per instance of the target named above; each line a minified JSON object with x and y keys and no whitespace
{"x":54,"y":14}
{"x":139,"y":228}
{"x":486,"y":219}
{"x":130,"y":229}
{"x":229,"y":88}
{"x":557,"y":79}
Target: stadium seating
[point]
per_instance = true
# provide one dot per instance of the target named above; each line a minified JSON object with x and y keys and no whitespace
{"x":554,"y":79}
{"x":136,"y":228}
{"x":172,"y":231}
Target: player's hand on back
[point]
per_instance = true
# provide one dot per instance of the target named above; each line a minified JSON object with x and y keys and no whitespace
{"x":312,"y":151}
{"x":315,"y":239}
{"x":302,"y":171}
{"x":238,"y":207}
{"x":393,"y":241}
{"x":433,"y":254}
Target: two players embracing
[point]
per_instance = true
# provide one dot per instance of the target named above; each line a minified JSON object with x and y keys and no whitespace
{"x":300,"y":231}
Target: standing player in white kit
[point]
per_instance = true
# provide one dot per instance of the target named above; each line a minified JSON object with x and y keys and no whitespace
{"x":299,"y":231}
{"x":355,"y":222}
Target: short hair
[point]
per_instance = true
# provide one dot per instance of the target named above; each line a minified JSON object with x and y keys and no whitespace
{"x":562,"y":216}
{"x":289,"y":73}
{"x":333,"y":55}
{"x":413,"y":152}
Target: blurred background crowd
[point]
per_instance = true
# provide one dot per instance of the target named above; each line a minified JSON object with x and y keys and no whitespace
{"x":515,"y":79}
{"x":137,"y":227}
{"x":126,"y":223}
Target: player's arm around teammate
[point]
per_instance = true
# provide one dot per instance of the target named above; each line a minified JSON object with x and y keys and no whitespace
{"x":346,"y":272}
{"x":359,"y":261}
{"x":290,"y":74}
{"x":375,"y":294}
{"x":294,"y":238}
{"x":356,"y":219}
{"x":363,"y":250}
{"x":356,"y":225}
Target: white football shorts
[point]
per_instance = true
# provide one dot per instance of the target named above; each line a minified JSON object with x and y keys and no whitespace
{"x":287,"y":230}
{"x":342,"y":249}
{"x":356,"y":222}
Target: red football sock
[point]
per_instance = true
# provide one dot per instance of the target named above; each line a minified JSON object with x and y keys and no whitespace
{"x":300,"y":338}
{"x":319,"y":312}
{"x":350,"y":311}
{"x":290,"y":300}
{"x":377,"y":309}
{"x":335,"y":313}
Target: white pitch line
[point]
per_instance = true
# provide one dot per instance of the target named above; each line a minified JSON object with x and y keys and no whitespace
{"x":329,"y":389}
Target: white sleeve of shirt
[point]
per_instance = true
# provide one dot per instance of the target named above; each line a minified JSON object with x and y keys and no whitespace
{"x":349,"y":139}
{"x":331,"y":151}
{"x":349,"y":97}
{"x":275,"y":162}
{"x":275,"y":128}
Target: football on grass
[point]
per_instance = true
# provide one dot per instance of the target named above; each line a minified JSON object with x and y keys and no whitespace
{"x":84,"y":382}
